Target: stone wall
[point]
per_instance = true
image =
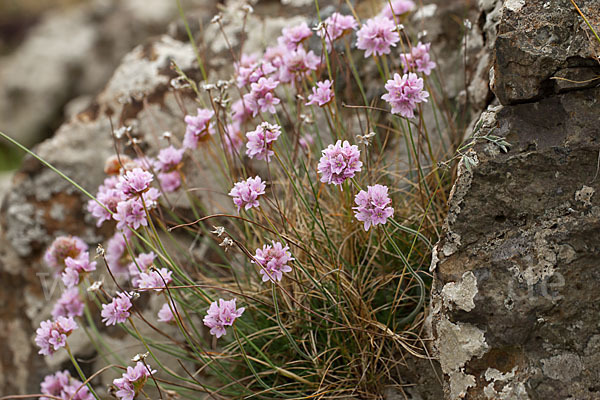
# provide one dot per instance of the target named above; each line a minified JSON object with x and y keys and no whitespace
{"x":516,"y":306}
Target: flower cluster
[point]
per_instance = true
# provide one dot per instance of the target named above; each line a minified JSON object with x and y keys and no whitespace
{"x":75,"y":268}
{"x":245,"y":193}
{"x":142,"y":263}
{"x":377,"y":36}
{"x":134,"y":182}
{"x":68,"y":305}
{"x":418,"y":59}
{"x":52,"y":335}
{"x":64,"y":386}
{"x":132,"y":381}
{"x":199,"y":128}
{"x":221,"y":315}
{"x":322,"y":94}
{"x":340,"y":161}
{"x":62,"y":248}
{"x":155,"y":279}
{"x":373,"y":206}
{"x":165,"y":314}
{"x":336,"y":26}
{"x":404,"y":93}
{"x":293,"y":37}
{"x":117,"y":311}
{"x":167,"y":163}
{"x":298,"y":63}
{"x":262,"y":97}
{"x":273,"y":259}
{"x":260,"y":141}
{"x":397,"y":8}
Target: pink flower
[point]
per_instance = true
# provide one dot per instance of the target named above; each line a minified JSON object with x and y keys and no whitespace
{"x":404,"y":93}
{"x":117,"y":311}
{"x":273,"y":260}
{"x":298,"y":63}
{"x":322,"y":94}
{"x":262,"y":98}
{"x":169,"y":158}
{"x":131,"y":382}
{"x":116,"y":254}
{"x":232,"y":138}
{"x":155,"y":280}
{"x":245,"y":193}
{"x":241,"y":112}
{"x":376,"y":36}
{"x":52,"y":335}
{"x":260,"y":141}
{"x":169,"y":181}
{"x":372,"y":206}
{"x":397,"y":9}
{"x":292,"y":37}
{"x":165,"y":314}
{"x":109,"y":198}
{"x":142,"y":263}
{"x":222,"y":315}
{"x":249,"y":70}
{"x":339,"y":162}
{"x":336,"y":26}
{"x":76,"y":267}
{"x":68,"y":305}
{"x":64,"y":386}
{"x":418,"y":59}
{"x":130,"y":213}
{"x":198,"y":128}
{"x":134,"y":182}
{"x":63,"y":247}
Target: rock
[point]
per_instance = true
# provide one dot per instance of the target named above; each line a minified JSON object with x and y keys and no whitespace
{"x":542,"y":40}
{"x":71,"y":52}
{"x":528,"y":221}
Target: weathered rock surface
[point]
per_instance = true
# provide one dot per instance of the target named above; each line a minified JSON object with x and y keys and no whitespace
{"x":541,"y":40}
{"x":516,"y":310}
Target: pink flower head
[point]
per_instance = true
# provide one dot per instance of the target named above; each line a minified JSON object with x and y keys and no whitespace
{"x":241,"y":112}
{"x":273,"y":259}
{"x":169,"y":181}
{"x":260,"y":141}
{"x":135,"y":182}
{"x":131,"y":382}
{"x":52,"y":335}
{"x":245,"y":193}
{"x":63,"y":385}
{"x":68,"y":305}
{"x":142,"y":263}
{"x":130,"y":213}
{"x":74,"y":267}
{"x":262,"y":97}
{"x":336,"y":26}
{"x":298,"y":63}
{"x":397,"y":8}
{"x":199,"y":128}
{"x":373,"y":206}
{"x":292,"y":37}
{"x":169,"y":158}
{"x":249,"y":70}
{"x":339,"y":162}
{"x":117,"y":257}
{"x":117,"y":311}
{"x":165,"y":314}
{"x":404,"y":93}
{"x":232,"y":138}
{"x":322,"y":94}
{"x":109,"y":198}
{"x":155,"y":279}
{"x":62,"y":248}
{"x":377,"y":36}
{"x":221,"y":315}
{"x":418,"y":59}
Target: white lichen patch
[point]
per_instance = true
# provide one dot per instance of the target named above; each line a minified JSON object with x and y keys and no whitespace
{"x":514,"y":5}
{"x":461,"y":293}
{"x":512,"y":389}
{"x":458,"y":343}
{"x":584,"y":195}
{"x":434,"y":259}
{"x":546,"y":260}
{"x":460,"y":384}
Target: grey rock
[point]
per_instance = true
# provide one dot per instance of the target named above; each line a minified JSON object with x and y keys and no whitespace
{"x":542,"y":40}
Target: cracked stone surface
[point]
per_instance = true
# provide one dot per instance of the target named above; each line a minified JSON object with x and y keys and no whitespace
{"x":525,"y":223}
